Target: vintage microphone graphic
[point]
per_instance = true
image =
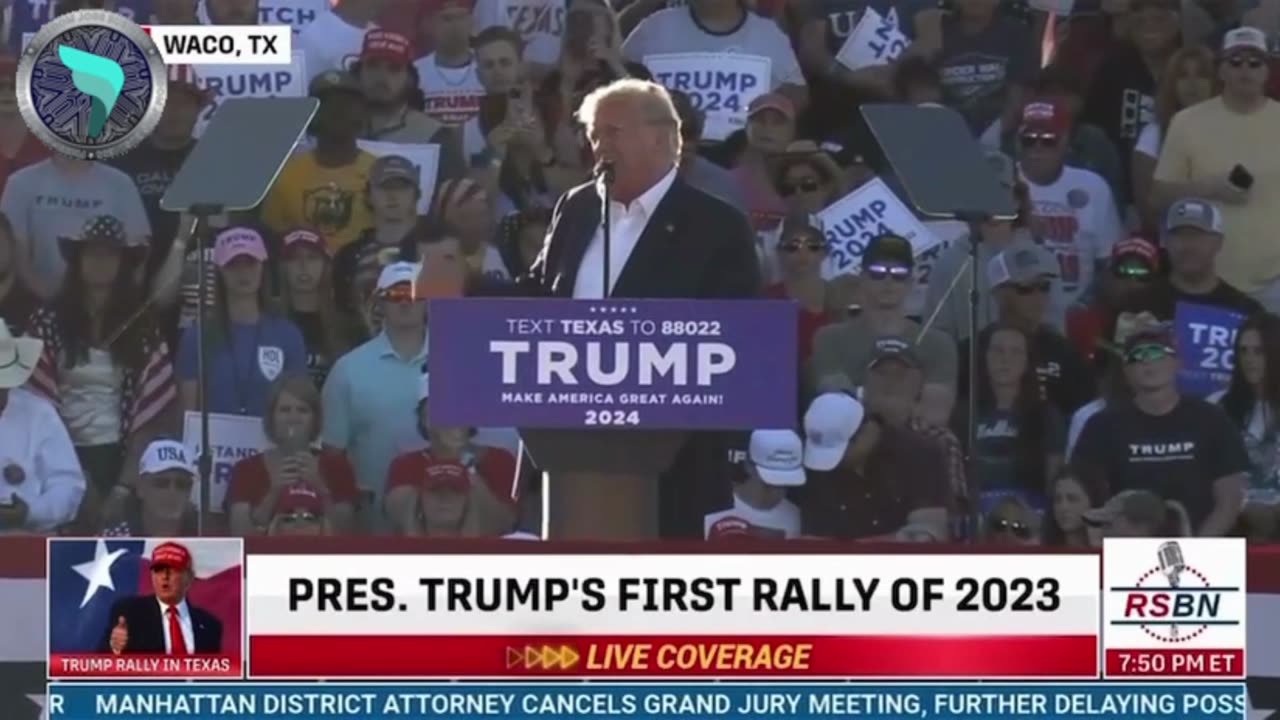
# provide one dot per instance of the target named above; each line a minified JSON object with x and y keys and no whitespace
{"x":1171,"y":565}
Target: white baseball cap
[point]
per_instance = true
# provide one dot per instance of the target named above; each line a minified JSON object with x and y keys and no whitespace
{"x":397,"y":273}
{"x":1245,"y":37}
{"x":778,"y":455}
{"x":162,"y":455}
{"x":830,"y":423}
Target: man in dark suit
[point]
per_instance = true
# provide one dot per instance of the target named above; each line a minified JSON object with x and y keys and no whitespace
{"x":163,"y":623}
{"x":668,"y":240}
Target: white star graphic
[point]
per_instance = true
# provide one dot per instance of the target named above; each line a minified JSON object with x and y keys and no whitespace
{"x":41,"y":700}
{"x":1253,"y":713}
{"x":98,"y":570}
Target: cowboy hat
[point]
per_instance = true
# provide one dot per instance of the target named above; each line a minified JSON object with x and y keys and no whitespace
{"x":106,"y":230}
{"x":18,"y":357}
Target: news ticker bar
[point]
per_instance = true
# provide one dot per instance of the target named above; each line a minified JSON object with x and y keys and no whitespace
{"x":692,"y":701}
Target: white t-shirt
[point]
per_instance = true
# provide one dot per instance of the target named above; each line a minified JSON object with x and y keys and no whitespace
{"x":45,"y":203}
{"x":539,"y":22}
{"x":1149,"y":141}
{"x":90,"y":398}
{"x":33,"y":438}
{"x":1077,"y":220}
{"x":674,"y":31}
{"x":330,"y":43}
{"x":452,"y":93}
{"x":783,"y":517}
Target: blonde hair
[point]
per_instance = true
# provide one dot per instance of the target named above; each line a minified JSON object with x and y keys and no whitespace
{"x":651,"y":101}
{"x":1167,"y":104}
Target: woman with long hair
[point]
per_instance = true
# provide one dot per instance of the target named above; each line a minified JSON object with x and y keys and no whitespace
{"x":248,"y":344}
{"x":1070,"y":497}
{"x":1189,"y":78}
{"x":259,"y":483}
{"x":105,"y":363}
{"x":1019,"y":434}
{"x":1252,"y":401}
{"x":306,"y":290}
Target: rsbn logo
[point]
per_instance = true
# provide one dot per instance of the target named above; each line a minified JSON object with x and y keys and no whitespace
{"x":1173,"y":601}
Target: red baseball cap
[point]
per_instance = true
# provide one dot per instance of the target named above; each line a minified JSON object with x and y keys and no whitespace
{"x":1046,"y":115}
{"x":304,"y":236}
{"x":772,"y":101}
{"x":299,"y":496}
{"x":1138,"y":247}
{"x":171,"y":555}
{"x":729,"y":527}
{"x":387,"y":45}
{"x":447,"y":475}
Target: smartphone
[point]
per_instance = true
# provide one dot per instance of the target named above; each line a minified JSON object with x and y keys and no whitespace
{"x":1240,"y":177}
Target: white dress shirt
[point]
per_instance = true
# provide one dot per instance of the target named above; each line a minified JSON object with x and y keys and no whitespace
{"x":627,"y":223}
{"x":34,"y":441}
{"x":184,"y":624}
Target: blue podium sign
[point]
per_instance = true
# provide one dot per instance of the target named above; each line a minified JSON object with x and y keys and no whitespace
{"x":579,"y":364}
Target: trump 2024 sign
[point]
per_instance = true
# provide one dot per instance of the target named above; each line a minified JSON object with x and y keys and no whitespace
{"x":669,"y":364}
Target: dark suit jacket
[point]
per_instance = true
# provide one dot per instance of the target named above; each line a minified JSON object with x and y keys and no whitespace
{"x":694,"y":246}
{"x":146,"y":627}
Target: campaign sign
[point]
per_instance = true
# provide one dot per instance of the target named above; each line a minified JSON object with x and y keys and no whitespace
{"x":296,"y":13}
{"x":875,"y":40}
{"x":657,"y":364}
{"x":1206,"y":347}
{"x":426,"y":156}
{"x":105,"y":617}
{"x":234,"y":438}
{"x":540,"y":23}
{"x":259,"y":81}
{"x":721,"y":85}
{"x":26,"y":16}
{"x":856,"y":218}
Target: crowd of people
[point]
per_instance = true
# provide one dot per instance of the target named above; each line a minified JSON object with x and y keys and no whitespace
{"x":1136,"y":138}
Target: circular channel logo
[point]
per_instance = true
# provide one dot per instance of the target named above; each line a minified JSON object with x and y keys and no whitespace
{"x":91,"y":84}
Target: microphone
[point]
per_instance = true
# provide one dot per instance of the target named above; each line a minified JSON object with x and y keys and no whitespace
{"x":604,"y":171}
{"x":1171,"y":562}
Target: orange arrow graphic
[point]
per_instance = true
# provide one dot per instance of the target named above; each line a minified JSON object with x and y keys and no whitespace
{"x":514,"y":657}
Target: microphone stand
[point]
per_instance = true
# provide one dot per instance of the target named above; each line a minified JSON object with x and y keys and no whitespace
{"x":201,"y":214}
{"x":606,"y":176}
{"x":974,"y":219}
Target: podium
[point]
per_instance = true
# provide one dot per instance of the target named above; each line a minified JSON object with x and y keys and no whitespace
{"x":606,"y":393}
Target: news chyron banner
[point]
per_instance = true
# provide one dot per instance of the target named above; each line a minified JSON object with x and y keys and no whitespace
{"x":146,"y":608}
{"x":631,"y":616}
{"x":1174,"y":608}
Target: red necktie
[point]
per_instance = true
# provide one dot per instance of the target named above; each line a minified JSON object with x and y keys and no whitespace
{"x":177,"y":643}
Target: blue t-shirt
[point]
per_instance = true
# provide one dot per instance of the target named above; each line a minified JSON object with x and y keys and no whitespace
{"x":242,"y":368}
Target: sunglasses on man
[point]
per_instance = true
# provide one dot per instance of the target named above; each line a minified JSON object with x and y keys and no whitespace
{"x":1020,"y":530}
{"x":900,"y":273}
{"x":795,"y":245}
{"x":399,"y":293}
{"x":804,"y":186}
{"x":1044,"y":140}
{"x":1253,"y":62}
{"x":298,"y":518}
{"x":1132,"y":270}
{"x":1041,"y":287}
{"x":1148,"y":352}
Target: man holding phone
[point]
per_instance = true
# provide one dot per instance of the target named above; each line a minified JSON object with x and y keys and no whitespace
{"x":1227,"y":150}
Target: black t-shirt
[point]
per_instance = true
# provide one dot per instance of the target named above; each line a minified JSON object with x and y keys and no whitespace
{"x":313,"y":336}
{"x":1165,"y":299}
{"x":1122,"y":98}
{"x":1178,"y":455}
{"x":1001,"y":466}
{"x":152,"y":171}
{"x":978,"y":70}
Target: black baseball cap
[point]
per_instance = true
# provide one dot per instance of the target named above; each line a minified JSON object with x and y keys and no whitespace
{"x":888,"y":249}
{"x":893,"y":347}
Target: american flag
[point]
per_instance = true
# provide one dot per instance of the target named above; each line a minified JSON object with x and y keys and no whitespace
{"x":145,"y":391}
{"x":87,"y":576}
